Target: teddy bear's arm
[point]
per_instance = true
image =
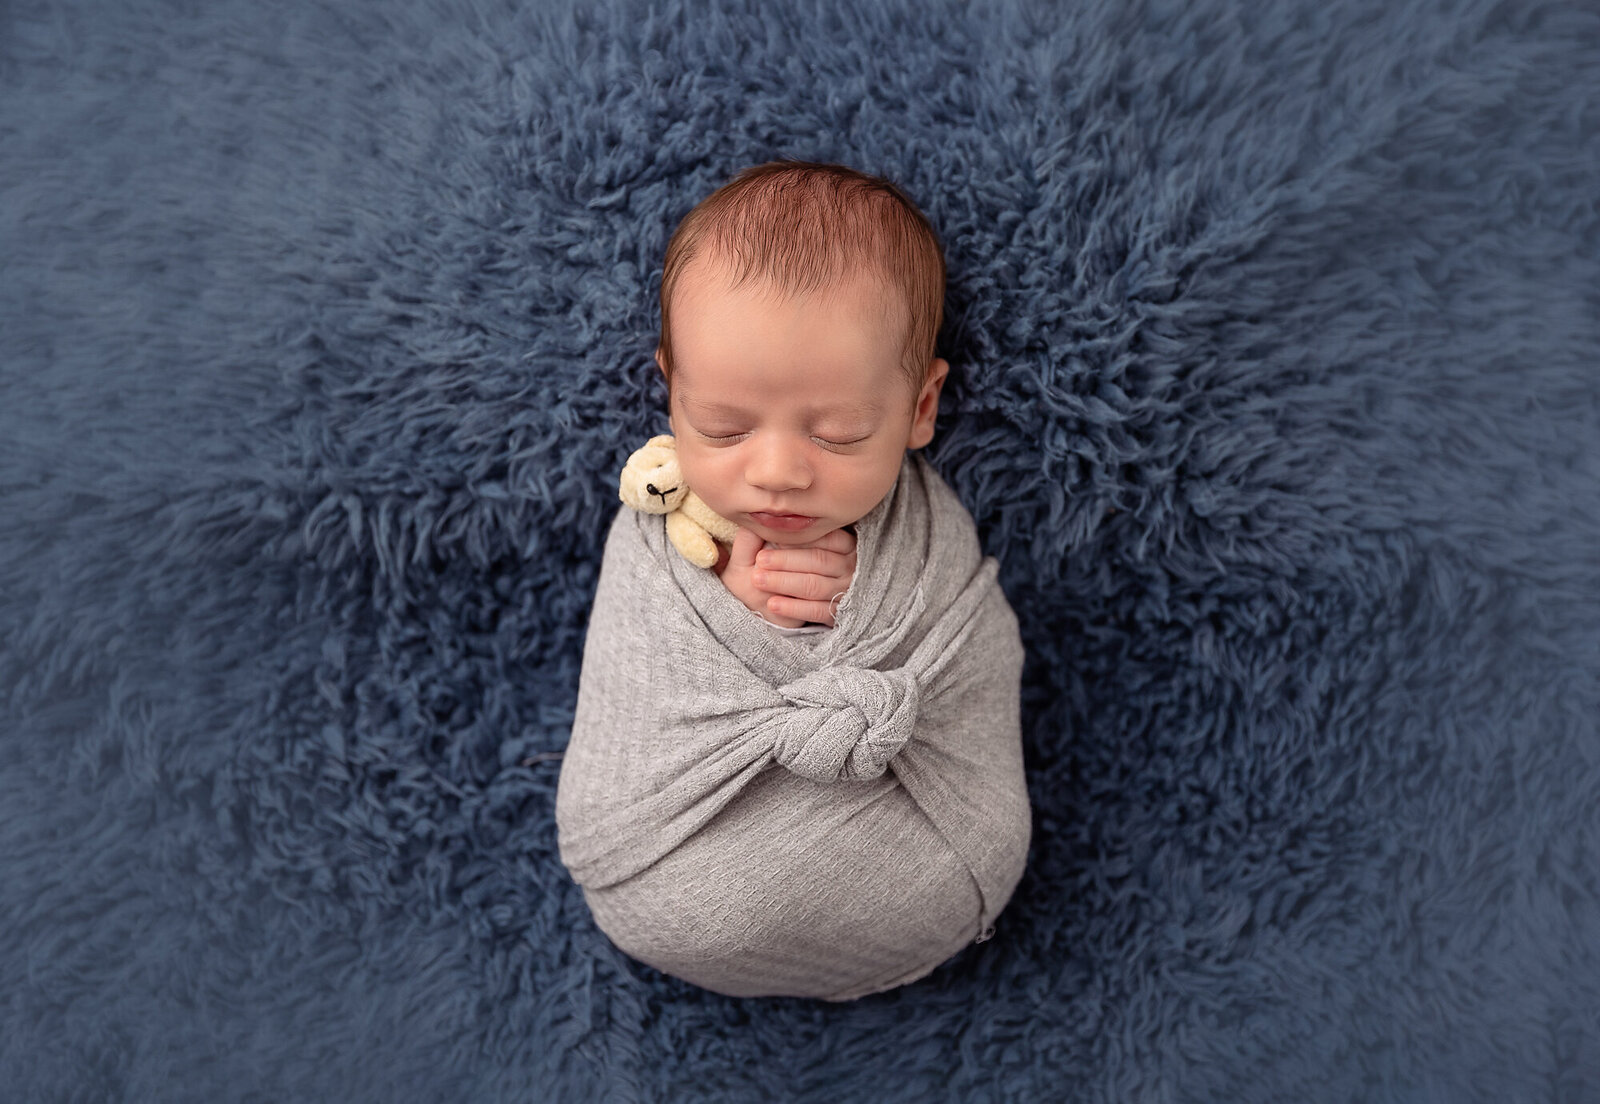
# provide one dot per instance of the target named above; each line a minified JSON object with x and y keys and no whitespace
{"x":691,"y":539}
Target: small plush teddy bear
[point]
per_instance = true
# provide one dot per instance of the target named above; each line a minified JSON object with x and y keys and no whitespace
{"x":652,"y":483}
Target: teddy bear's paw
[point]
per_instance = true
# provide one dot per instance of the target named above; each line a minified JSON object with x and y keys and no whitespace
{"x":691,"y":540}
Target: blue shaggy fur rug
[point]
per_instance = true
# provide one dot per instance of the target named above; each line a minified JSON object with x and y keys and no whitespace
{"x":325,"y":328}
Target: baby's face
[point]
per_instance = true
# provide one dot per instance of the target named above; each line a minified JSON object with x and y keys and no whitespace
{"x":791,"y":414}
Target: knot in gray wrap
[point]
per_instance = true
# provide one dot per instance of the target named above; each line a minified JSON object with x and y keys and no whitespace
{"x":853,"y":722}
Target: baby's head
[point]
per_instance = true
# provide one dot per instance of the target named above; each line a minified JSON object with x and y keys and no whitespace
{"x":799,"y":308}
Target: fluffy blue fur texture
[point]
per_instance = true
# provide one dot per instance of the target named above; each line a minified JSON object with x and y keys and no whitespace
{"x":325,"y":328}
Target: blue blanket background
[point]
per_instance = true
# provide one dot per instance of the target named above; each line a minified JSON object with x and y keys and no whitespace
{"x":325,"y":328}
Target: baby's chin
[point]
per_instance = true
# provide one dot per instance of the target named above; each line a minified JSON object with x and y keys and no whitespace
{"x":792,"y":540}
{"x":799,"y":538}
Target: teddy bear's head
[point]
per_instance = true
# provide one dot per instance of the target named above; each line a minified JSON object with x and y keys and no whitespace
{"x":651,"y":481}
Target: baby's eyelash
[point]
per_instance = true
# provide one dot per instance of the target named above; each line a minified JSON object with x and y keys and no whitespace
{"x":821,"y":440}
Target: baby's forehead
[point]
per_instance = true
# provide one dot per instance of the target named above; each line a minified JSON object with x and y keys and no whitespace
{"x":861,"y":290}
{"x":825,"y":404}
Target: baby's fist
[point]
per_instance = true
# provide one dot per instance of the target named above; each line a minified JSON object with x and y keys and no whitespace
{"x":805,"y":580}
{"x":737,"y":572}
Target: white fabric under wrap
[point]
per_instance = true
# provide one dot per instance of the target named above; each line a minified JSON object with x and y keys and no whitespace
{"x":824,"y":816}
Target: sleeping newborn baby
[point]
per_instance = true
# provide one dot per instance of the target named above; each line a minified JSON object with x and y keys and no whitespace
{"x":799,"y":773}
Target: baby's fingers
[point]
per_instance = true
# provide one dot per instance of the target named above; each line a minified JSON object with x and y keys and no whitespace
{"x":821,"y":612}
{"x":745,"y":546}
{"x":797,"y":584}
{"x":816,"y":561}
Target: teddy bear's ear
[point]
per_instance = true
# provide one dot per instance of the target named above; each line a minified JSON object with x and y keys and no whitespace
{"x":662,"y":440}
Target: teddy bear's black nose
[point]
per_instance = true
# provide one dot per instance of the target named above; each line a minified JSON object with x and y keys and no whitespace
{"x":651,"y":488}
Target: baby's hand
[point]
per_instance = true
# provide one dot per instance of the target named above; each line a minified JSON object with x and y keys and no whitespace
{"x":790,"y":586}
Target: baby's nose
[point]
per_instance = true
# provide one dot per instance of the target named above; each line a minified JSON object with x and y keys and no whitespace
{"x":779,"y":466}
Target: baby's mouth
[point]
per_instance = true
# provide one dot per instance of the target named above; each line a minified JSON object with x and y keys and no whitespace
{"x":786,"y":522}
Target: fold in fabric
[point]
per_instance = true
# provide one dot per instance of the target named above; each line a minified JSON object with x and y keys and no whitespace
{"x":825,"y":815}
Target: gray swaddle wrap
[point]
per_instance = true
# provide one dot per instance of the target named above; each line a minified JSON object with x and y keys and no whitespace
{"x":824,"y":815}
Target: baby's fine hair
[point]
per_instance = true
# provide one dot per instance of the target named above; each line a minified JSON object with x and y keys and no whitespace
{"x":803,"y":226}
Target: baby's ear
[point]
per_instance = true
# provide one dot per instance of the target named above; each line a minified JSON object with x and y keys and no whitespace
{"x":927,"y":405}
{"x":659,"y":362}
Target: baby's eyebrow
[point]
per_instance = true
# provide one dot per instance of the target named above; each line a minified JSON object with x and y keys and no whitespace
{"x":861,"y":409}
